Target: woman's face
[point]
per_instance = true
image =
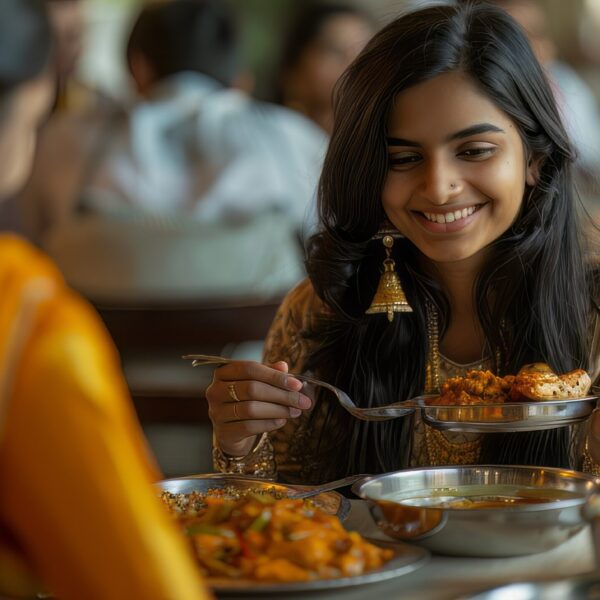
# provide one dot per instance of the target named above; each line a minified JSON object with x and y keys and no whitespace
{"x":312,"y":79}
{"x":339,"y":42}
{"x":22,"y":115}
{"x":457,"y":168}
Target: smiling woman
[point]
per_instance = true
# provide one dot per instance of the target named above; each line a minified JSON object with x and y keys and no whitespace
{"x":447,"y":139}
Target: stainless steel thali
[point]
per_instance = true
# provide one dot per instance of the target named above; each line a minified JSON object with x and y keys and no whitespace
{"x":407,"y":558}
{"x":514,"y":416}
{"x":331,"y":502}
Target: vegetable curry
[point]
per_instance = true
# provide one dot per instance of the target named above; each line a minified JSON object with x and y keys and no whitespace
{"x":263,"y":538}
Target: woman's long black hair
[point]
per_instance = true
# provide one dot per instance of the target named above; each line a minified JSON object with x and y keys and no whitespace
{"x":535,"y":280}
{"x":25,"y":43}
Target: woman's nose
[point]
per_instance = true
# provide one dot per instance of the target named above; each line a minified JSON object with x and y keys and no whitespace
{"x":440,"y":183}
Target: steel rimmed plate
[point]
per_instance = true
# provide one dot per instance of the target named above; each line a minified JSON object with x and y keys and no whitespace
{"x":507,"y":417}
{"x":331,"y":502}
{"x":407,"y":559}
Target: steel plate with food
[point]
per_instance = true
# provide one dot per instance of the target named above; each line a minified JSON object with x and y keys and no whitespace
{"x":534,"y":398}
{"x":248,"y":536}
{"x":479,"y":510}
{"x":236,"y":486}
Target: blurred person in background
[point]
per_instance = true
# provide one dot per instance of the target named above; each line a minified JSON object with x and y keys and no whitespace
{"x":577,"y":102}
{"x":68,"y":24}
{"x":194,"y":142}
{"x":78,"y":512}
{"x":322,"y":41}
{"x":67,"y":18}
{"x":199,"y":190}
{"x":79,"y":115}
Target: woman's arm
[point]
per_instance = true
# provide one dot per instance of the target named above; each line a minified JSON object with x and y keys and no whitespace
{"x":285,"y":342}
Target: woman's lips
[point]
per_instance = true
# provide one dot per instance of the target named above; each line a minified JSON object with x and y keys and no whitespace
{"x":449,"y":227}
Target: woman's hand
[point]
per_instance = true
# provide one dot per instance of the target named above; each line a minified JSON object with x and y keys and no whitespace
{"x":246,"y":399}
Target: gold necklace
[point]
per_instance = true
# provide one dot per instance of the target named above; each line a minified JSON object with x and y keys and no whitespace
{"x":432,"y":373}
{"x":432,"y":370}
{"x":441,"y":450}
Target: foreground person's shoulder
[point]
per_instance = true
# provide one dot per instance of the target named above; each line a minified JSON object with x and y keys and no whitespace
{"x":21,"y":260}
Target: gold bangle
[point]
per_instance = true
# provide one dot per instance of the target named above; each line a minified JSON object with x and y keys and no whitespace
{"x":259,"y":462}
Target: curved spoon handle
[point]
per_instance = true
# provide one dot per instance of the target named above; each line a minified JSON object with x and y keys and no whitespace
{"x":325,"y":487}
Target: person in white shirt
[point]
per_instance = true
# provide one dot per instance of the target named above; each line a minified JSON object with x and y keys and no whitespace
{"x":199,"y":190}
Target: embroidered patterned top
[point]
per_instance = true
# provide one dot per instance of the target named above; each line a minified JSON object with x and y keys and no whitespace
{"x":291,"y":452}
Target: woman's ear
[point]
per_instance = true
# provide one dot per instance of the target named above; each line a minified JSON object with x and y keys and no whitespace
{"x":532,"y":174}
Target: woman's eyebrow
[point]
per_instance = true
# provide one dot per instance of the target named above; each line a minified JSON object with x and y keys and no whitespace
{"x":474,"y":130}
{"x":463,"y":133}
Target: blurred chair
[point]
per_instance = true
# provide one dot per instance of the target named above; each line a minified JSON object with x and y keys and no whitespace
{"x":169,"y":286}
{"x":152,"y":338}
{"x":168,"y":394}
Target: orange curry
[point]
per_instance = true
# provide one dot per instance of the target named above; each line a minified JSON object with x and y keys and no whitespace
{"x":262,"y":538}
{"x":535,"y":382}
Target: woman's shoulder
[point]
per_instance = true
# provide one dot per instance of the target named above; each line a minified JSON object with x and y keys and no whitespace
{"x":19,"y":261}
{"x":28,"y":277}
{"x":303,"y":304}
{"x":33,"y":288}
{"x":297,"y":315}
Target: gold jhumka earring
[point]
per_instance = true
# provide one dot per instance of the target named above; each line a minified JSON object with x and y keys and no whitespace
{"x":389,"y":297}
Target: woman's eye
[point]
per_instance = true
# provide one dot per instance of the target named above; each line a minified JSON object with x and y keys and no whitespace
{"x":478,"y":153}
{"x":403,"y":160}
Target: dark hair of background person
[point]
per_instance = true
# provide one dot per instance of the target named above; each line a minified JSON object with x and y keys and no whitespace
{"x":535,"y":280}
{"x":187,"y":35}
{"x":25,"y":44}
{"x":305,"y":26}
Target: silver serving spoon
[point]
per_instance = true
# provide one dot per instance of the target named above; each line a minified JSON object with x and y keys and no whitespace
{"x":378,"y":413}
{"x":315,"y":490}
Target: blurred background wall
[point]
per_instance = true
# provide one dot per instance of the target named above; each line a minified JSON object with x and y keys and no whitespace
{"x":574,"y":25}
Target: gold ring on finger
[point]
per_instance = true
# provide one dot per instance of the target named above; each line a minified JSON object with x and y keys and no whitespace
{"x":232,"y":394}
{"x":237,"y":417}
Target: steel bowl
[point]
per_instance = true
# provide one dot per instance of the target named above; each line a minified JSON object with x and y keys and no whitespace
{"x":416,"y":505}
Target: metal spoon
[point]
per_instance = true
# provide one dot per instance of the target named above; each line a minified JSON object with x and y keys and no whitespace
{"x":378,"y":413}
{"x":325,"y":487}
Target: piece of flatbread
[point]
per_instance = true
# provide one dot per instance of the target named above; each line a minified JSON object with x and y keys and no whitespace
{"x":538,"y":382}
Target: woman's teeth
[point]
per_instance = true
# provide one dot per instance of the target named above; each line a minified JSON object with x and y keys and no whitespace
{"x":450,"y":217}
